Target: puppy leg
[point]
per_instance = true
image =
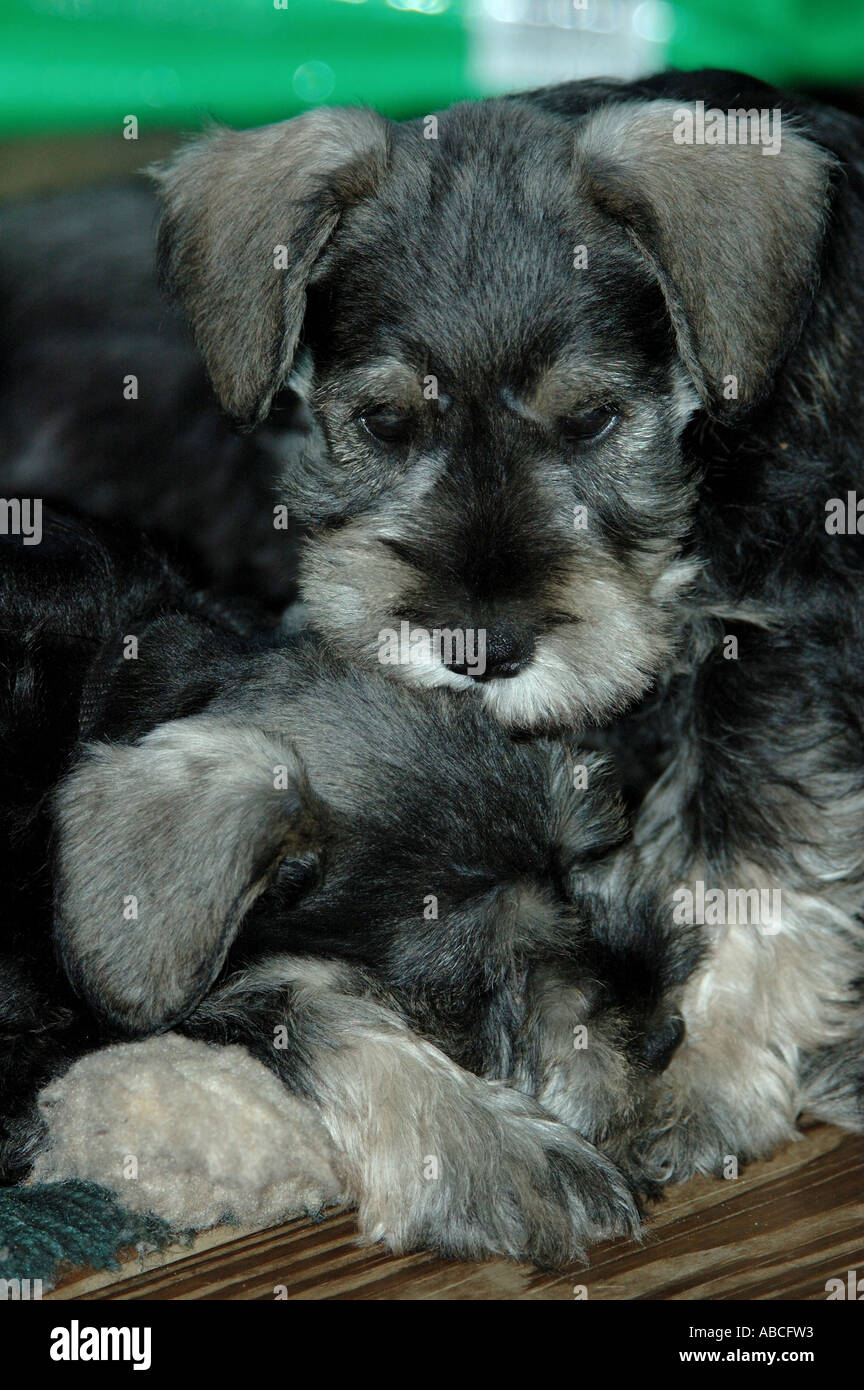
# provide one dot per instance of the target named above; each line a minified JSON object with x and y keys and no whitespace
{"x":832,"y":1083}
{"x":434,"y":1156}
{"x":757,"y":827}
{"x":767,"y":994}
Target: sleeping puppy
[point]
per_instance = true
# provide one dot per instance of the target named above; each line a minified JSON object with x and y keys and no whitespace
{"x":105,"y":405}
{"x":585,"y":369}
{"x":380,"y":895}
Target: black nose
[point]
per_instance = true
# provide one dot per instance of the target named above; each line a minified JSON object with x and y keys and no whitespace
{"x":502,"y":650}
{"x":659,"y":1048}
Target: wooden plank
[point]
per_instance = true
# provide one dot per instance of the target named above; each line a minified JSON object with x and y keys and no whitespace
{"x":780,"y":1230}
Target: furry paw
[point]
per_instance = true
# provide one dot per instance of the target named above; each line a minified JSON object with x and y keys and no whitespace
{"x":711,"y":1139}
{"x":676,"y":1152}
{"x":497,"y":1176}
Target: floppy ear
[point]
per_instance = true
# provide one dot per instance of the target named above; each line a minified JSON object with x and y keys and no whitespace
{"x":732,"y":233}
{"x":247,"y":213}
{"x":162,"y":847}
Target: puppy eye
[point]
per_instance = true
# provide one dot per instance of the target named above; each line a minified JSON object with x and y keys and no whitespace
{"x":298,"y":875}
{"x":386,"y":426}
{"x":589,"y":425}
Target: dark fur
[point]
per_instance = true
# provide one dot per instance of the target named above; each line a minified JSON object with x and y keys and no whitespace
{"x":302,"y":906}
{"x":453,"y":258}
{"x":80,"y":310}
{"x":706,"y":515}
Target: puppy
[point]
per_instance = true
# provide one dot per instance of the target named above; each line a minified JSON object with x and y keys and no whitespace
{"x":104,"y":403}
{"x":380,"y":895}
{"x":586,"y":382}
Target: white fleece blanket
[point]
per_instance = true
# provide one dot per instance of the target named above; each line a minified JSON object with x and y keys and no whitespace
{"x":192,"y":1132}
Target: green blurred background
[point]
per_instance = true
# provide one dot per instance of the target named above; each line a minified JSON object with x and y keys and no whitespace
{"x":71,"y":69}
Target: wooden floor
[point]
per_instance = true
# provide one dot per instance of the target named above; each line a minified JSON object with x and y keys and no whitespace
{"x":779,"y":1231}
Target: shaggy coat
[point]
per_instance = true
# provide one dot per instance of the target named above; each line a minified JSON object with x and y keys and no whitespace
{"x":386,"y":899}
{"x":586,"y":381}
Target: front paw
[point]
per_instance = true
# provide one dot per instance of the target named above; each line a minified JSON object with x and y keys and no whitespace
{"x":496,"y":1175}
{"x":715,"y":1133}
{"x":677,"y":1151}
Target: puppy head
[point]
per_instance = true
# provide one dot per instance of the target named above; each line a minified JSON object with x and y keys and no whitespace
{"x":317,"y":812}
{"x":506,"y":330}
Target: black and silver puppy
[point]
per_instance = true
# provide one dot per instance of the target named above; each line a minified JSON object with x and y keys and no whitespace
{"x":105,"y":405}
{"x":585,"y":369}
{"x":380,"y":894}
